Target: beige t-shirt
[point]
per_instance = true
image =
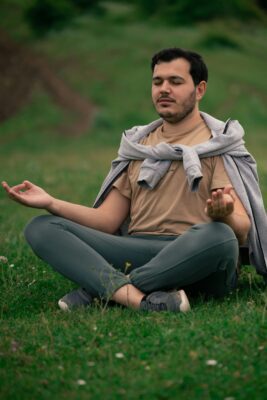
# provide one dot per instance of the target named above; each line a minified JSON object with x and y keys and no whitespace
{"x":171,"y":207}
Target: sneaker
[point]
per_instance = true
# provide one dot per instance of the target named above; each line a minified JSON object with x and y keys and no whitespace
{"x":166,"y":301}
{"x":74,"y":299}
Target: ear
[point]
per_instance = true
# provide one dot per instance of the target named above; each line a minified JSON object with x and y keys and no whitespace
{"x":201,"y":90}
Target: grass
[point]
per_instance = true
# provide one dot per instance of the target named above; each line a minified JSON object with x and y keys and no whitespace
{"x":115,"y":353}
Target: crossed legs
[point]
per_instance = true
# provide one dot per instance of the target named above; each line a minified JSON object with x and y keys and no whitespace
{"x":126,"y":268}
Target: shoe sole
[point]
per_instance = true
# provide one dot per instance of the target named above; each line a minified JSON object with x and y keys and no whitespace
{"x":185,"y":305}
{"x":63,"y":306}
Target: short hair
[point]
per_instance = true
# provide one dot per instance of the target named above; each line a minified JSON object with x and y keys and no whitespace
{"x":198,"y":69}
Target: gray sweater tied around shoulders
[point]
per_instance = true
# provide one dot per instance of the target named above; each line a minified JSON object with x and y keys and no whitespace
{"x":226,"y":141}
{"x":157,"y":159}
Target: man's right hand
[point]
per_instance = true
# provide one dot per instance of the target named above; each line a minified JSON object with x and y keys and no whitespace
{"x":29,"y":195}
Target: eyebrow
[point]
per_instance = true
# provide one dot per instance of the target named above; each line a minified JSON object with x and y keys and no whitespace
{"x":168,"y":77}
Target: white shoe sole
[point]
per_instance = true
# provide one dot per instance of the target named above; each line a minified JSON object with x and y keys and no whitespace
{"x":185,"y":305}
{"x":63,"y":306}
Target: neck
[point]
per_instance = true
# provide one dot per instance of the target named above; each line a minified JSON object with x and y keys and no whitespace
{"x":186,"y":124}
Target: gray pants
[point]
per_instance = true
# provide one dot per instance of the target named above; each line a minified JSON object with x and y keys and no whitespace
{"x":203,"y":259}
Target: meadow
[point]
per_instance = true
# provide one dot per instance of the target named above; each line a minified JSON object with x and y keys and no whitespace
{"x":218,"y":351}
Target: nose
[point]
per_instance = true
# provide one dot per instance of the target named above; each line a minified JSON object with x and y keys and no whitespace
{"x":165,"y":87}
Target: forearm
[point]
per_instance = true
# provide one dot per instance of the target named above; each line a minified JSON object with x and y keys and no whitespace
{"x":240,"y":224}
{"x":87,"y":216}
{"x":108,"y":217}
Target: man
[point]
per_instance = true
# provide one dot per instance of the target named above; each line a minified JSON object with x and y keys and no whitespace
{"x":186,"y":221}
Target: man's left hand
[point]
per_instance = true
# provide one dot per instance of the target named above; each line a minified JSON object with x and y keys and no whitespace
{"x":221,"y":203}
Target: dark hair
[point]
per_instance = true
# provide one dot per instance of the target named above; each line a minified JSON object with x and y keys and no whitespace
{"x":198,"y":69}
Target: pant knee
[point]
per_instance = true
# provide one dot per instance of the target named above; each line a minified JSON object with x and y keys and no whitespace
{"x":223,"y":230}
{"x":37,"y":231}
{"x":219,"y":235}
{"x":228,"y":238}
{"x":216,"y":230}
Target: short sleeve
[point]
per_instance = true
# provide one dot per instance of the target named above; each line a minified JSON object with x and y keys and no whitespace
{"x":220,"y":177}
{"x":123,"y":185}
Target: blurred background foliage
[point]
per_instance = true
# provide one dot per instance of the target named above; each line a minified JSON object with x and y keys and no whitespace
{"x":44,"y":15}
{"x":80,"y":68}
{"x":189,"y":11}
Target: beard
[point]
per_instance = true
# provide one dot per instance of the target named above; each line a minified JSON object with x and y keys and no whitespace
{"x":186,"y":108}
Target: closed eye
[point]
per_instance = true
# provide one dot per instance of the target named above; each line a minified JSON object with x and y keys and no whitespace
{"x":157,"y":82}
{"x":176,"y":81}
{"x":172,"y":80}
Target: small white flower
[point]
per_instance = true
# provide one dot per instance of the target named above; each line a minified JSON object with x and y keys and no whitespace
{"x":11,"y":265}
{"x":91,"y":363}
{"x":119,"y":355}
{"x":211,"y":362}
{"x":81,"y":382}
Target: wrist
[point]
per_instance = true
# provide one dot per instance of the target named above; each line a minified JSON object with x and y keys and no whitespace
{"x":52,"y":205}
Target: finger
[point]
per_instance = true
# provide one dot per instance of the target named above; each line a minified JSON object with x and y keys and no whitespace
{"x":9,"y":190}
{"x":17,"y":196}
{"x":18,"y":188}
{"x":217,"y":199}
{"x":209,"y":207}
{"x":228,"y":189}
{"x":13,"y":191}
{"x":28,"y":184}
{"x":5,"y":186}
{"x":214,"y":196}
{"x":208,"y":204}
{"x":219,"y":195}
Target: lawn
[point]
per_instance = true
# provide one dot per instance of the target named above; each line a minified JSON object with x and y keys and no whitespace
{"x":218,"y":351}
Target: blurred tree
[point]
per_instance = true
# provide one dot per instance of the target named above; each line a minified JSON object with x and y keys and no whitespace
{"x":86,"y":4}
{"x":44,"y":15}
{"x":186,"y":11}
{"x":262,"y":4}
{"x":20,"y":68}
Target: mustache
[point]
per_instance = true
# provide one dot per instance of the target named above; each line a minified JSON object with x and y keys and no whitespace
{"x":165,"y":97}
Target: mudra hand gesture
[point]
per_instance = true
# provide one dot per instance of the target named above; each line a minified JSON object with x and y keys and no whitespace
{"x":28,"y":194}
{"x":221,"y":203}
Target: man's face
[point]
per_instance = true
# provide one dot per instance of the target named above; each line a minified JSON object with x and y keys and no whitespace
{"x":173,"y":91}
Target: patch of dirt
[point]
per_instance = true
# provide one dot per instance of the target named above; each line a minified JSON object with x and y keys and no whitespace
{"x":20,"y":69}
